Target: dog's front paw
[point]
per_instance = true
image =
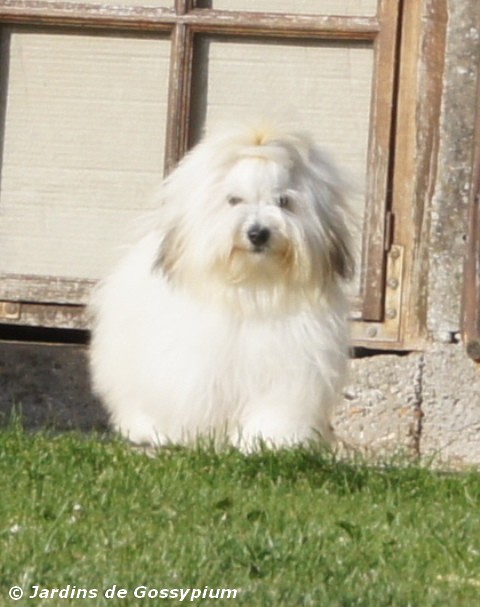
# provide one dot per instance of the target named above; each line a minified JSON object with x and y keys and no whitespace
{"x":254,"y":437}
{"x":140,"y":430}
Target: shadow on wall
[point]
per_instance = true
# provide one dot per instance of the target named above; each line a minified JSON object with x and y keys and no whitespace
{"x":48,"y":386}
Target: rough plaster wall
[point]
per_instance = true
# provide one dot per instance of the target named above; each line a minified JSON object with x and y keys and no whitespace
{"x":379,"y":411}
{"x":424,"y":404}
{"x":450,"y":405}
{"x":452,"y":189}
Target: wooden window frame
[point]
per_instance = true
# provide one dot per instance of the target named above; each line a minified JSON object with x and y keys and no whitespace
{"x":471,"y":274}
{"x":421,"y":67}
{"x":377,"y":312}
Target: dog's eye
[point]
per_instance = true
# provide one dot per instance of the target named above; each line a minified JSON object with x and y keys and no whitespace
{"x":283,"y":201}
{"x":234,"y":200}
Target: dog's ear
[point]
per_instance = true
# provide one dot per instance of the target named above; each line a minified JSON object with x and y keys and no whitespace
{"x":342,"y":262}
{"x":332,"y":187}
{"x":168,"y":253}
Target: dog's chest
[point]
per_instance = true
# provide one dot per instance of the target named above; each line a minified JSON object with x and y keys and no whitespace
{"x":258,"y":351}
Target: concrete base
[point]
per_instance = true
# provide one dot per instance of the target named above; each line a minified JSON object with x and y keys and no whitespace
{"x":380,"y":412}
{"x":451,"y":406}
{"x":427,"y":404}
{"x":424,"y":404}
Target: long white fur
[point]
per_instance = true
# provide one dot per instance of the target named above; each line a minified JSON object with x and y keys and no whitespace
{"x":199,"y":333}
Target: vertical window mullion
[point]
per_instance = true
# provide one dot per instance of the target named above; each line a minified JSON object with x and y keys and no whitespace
{"x":179,"y":95}
{"x":380,"y":146}
{"x":181,"y":59}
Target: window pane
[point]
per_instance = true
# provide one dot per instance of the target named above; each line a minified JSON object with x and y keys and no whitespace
{"x":83,"y":142}
{"x":150,"y":3}
{"x":362,"y":8}
{"x":327,"y":86}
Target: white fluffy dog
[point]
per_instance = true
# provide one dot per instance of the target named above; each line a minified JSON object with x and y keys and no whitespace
{"x":228,"y":319}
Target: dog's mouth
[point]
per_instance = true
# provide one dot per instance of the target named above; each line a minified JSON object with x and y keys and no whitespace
{"x":251,"y":250}
{"x":258,"y":244}
{"x":258,"y":249}
{"x":265,"y":264}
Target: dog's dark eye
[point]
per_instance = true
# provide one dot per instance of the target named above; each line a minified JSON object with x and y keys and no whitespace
{"x":234,"y":200}
{"x":283,"y":201}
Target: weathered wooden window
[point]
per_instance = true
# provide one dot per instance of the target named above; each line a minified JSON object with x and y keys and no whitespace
{"x":99,"y":100}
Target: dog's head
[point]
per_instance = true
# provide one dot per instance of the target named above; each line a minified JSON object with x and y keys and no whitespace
{"x":258,"y":208}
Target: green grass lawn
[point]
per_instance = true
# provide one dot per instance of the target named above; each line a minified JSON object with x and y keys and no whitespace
{"x":290,"y":528}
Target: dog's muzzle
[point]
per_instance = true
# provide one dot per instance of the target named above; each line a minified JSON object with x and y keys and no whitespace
{"x":259,"y":236}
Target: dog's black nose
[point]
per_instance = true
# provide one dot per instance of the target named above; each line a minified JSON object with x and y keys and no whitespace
{"x":258,"y":235}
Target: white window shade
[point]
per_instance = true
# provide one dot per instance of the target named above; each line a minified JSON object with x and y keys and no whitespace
{"x":364,"y":8}
{"x":83,"y":148}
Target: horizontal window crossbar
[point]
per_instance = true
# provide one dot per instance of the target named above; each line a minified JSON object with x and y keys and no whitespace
{"x":201,"y":20}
